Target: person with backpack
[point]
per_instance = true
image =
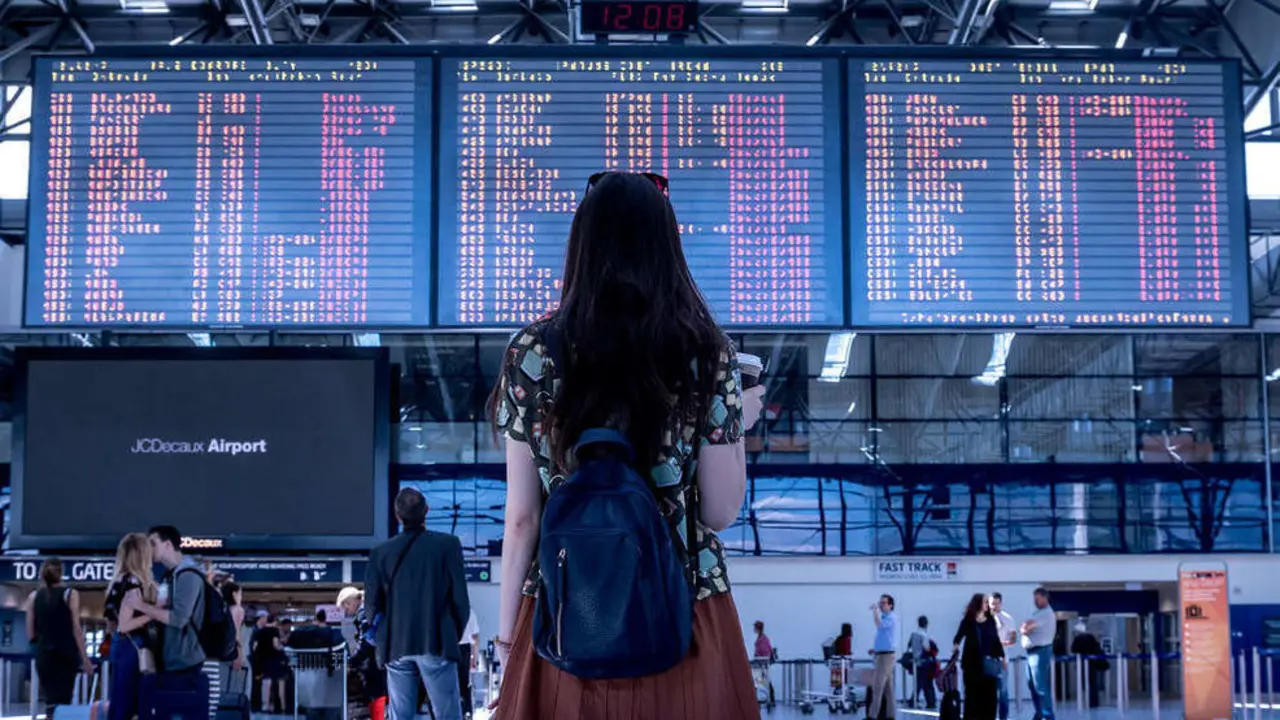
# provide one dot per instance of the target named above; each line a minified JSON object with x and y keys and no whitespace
{"x":624,"y":415}
{"x":197,"y":627}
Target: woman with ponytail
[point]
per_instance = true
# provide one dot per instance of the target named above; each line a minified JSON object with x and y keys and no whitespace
{"x":53,"y":626}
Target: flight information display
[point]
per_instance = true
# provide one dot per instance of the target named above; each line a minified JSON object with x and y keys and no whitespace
{"x":1046,"y":193}
{"x":230,"y":192}
{"x":751,"y":149}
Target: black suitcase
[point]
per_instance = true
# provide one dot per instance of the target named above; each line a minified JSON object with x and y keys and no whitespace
{"x":950,"y":707}
{"x":233,"y":703}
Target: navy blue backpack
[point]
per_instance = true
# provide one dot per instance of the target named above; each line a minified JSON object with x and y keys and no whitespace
{"x":615,"y":598}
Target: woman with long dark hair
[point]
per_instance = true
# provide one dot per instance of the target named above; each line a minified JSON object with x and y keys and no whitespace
{"x":637,"y":350}
{"x":53,"y":624}
{"x":983,"y":660}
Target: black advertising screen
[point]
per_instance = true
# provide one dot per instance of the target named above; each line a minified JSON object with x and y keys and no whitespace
{"x":247,"y":450}
{"x":230,"y":192}
{"x":750,"y":146}
{"x":1047,"y":193}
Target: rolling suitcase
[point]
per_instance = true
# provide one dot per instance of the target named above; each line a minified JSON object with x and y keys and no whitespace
{"x":171,"y":696}
{"x":233,"y":703}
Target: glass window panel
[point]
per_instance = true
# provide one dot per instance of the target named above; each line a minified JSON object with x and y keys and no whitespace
{"x":439,"y":381}
{"x":1199,"y":397}
{"x":936,"y":398}
{"x":831,"y":442}
{"x":1262,"y":165}
{"x":1070,"y":398}
{"x":954,"y":441}
{"x":845,"y":399}
{"x":14,"y":157}
{"x":1070,"y":355}
{"x":1071,"y":441}
{"x":957,"y":355}
{"x":1196,"y":354}
{"x":427,"y":443}
{"x":1260,"y":117}
{"x":803,"y":355}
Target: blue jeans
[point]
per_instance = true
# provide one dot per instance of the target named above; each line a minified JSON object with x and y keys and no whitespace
{"x":1002,"y":693}
{"x":1039,"y":681}
{"x":124,"y":679}
{"x":440,"y":675}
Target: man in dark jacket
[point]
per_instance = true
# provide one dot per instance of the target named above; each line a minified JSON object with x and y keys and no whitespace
{"x":416,"y":583}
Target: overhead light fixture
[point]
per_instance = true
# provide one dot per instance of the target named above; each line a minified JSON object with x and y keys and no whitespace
{"x":200,"y":339}
{"x":366,"y":339}
{"x":814,"y":40}
{"x":765,"y":6}
{"x":1274,"y":375}
{"x":458,"y":6}
{"x":496,"y":39}
{"x":1122,"y":39}
{"x":1073,"y":6}
{"x":144,"y":7}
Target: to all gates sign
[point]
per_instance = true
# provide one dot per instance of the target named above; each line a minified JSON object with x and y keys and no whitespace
{"x":76,"y":571}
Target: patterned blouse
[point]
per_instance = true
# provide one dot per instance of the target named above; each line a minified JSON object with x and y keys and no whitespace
{"x":528,"y":386}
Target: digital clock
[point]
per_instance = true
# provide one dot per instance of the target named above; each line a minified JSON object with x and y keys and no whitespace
{"x":638,"y":16}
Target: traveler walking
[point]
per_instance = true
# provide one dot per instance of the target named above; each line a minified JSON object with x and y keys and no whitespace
{"x":373,"y":679}
{"x":982,"y":660}
{"x":53,"y":624}
{"x":884,"y":650}
{"x":1008,"y":631}
{"x":924,"y":664}
{"x":416,"y":582}
{"x":633,"y":363}
{"x":1087,"y":649}
{"x":136,"y":640}
{"x":1038,"y":634}
{"x":266,"y":653}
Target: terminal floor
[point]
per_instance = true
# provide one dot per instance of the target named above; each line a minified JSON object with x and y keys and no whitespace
{"x":1172,"y":711}
{"x":1168,"y":711}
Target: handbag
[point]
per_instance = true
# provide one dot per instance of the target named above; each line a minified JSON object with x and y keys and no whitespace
{"x":146,"y":661}
{"x":992,"y":667}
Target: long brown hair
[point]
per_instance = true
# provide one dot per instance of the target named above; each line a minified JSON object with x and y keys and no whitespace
{"x":639,"y":343}
{"x":51,"y":572}
{"x":133,"y":557}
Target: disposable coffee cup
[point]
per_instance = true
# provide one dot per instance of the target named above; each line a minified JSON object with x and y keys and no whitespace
{"x":751,"y":367}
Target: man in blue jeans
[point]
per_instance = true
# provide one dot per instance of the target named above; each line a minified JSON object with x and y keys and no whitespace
{"x":1008,"y":631}
{"x":1037,"y":637}
{"x":417,"y":585}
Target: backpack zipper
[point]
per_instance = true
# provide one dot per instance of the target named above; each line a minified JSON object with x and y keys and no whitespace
{"x":560,"y":561}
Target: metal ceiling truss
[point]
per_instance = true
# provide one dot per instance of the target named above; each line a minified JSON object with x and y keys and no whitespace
{"x":71,"y":25}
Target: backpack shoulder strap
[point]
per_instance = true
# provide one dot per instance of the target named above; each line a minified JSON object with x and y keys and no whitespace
{"x":201,"y":606}
{"x":391,"y":579}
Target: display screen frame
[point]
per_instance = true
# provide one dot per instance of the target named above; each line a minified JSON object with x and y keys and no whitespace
{"x":593,"y":25}
{"x":378,"y":360}
{"x":835,"y":199}
{"x":1235,"y":186}
{"x":425,"y":141}
{"x":430,"y":110}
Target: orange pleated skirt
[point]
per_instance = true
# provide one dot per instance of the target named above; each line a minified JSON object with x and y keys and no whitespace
{"x":712,"y":683}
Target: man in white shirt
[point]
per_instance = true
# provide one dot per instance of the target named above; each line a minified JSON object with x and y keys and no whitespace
{"x":1037,"y":638}
{"x":1008,"y":631}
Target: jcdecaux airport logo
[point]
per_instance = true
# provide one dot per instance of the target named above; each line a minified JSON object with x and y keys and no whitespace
{"x":214,"y":446}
